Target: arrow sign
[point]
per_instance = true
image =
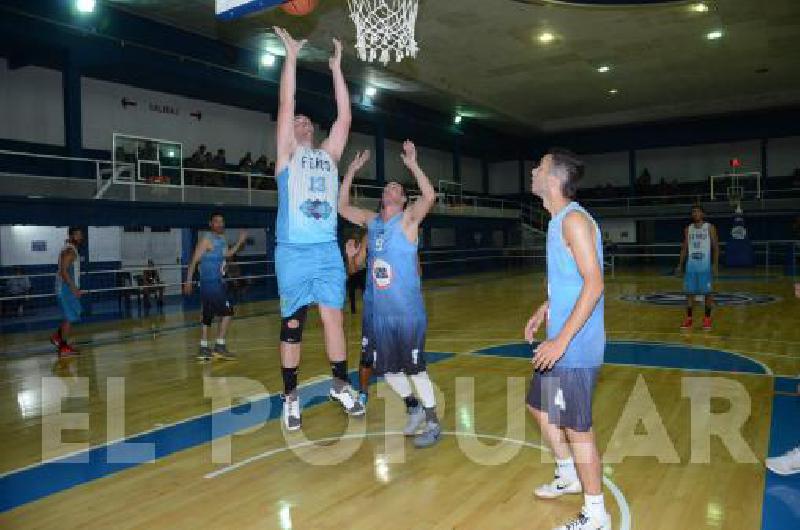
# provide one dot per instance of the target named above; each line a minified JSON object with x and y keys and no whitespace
{"x":197,"y":114}
{"x":127,"y":103}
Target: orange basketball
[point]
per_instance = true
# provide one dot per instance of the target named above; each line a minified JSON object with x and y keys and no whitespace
{"x":299,"y":7}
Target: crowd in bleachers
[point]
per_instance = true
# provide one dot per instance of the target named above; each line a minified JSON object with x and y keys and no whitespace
{"x":204,"y":160}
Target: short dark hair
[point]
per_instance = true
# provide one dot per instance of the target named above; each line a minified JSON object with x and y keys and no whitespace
{"x":215,"y":214}
{"x":73,"y":229}
{"x":698,"y":206}
{"x":573,"y":169}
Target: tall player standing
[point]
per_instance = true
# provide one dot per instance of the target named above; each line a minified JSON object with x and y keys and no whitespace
{"x":566,"y":365}
{"x":308,"y":263}
{"x":699,"y":250}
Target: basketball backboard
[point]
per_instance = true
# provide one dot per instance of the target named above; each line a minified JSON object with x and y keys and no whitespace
{"x":233,"y":9}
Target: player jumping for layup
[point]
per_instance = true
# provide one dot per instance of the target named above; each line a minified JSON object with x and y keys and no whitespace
{"x":398,"y":321}
{"x":308,"y":264}
{"x":701,"y":246}
{"x":567,"y":363}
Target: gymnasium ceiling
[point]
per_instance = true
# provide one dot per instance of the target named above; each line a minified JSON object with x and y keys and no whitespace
{"x":483,"y":58}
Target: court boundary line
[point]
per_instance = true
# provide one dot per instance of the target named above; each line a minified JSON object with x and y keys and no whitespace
{"x":616,"y":492}
{"x":767,"y":370}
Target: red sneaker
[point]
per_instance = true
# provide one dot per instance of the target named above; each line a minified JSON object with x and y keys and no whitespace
{"x":707,"y":323}
{"x":687,"y":323}
{"x":66,"y":350}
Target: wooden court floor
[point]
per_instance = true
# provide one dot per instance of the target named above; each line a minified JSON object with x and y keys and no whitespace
{"x":140,"y":376}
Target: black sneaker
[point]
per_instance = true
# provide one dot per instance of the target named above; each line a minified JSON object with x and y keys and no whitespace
{"x":221,"y":352}
{"x":204,"y":354}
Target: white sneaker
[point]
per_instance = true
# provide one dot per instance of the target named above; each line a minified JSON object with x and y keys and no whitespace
{"x":291,"y":413}
{"x":558,"y":487}
{"x":584,"y":522}
{"x":349,"y":403}
{"x":787,"y":464}
{"x":416,"y":420}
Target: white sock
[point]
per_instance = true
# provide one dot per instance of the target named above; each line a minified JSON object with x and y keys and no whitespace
{"x":204,"y":344}
{"x":566,"y":469}
{"x":221,"y":342}
{"x":595,"y":506}
{"x":424,"y":389}
{"x":399,"y":383}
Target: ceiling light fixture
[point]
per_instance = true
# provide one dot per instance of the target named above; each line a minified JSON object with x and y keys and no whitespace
{"x":371,"y":91}
{"x":714,"y":35}
{"x":546,"y":37}
{"x":613,"y":91}
{"x":267,"y":59}
{"x":699,"y":7}
{"x":457,"y":119}
{"x":604,"y":69}
{"x":85,"y":6}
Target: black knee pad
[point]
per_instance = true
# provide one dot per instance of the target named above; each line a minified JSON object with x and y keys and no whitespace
{"x":290,"y":334}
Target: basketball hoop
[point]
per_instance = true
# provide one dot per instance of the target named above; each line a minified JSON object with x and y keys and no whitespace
{"x":383,"y":27}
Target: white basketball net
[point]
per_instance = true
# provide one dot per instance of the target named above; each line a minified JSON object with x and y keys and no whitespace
{"x":383,"y":27}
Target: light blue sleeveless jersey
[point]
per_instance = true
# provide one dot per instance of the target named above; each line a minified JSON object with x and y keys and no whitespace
{"x":699,"y":242}
{"x":564,"y":284}
{"x":393,"y":284}
{"x":308,"y":189}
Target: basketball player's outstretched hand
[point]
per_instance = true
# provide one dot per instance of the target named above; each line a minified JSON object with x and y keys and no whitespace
{"x":409,"y":154}
{"x":535,"y":322}
{"x":242,"y":237}
{"x":359,"y":160}
{"x":291,"y":45}
{"x":547,"y":354}
{"x":335,"y":62}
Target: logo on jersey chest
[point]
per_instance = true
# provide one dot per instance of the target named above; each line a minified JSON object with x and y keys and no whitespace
{"x":381,"y":274}
{"x":316,"y":209}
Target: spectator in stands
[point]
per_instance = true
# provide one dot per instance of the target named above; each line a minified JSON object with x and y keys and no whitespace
{"x":219,"y":161}
{"x":152,"y":284}
{"x":19,"y":285}
{"x":271,"y":168}
{"x":643,"y":182}
{"x":261,"y":165}
{"x":246,"y":163}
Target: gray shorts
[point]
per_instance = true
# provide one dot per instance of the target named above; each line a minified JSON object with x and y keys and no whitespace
{"x":565,"y":394}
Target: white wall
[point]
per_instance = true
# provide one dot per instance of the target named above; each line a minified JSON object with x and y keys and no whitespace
{"x":105,"y":243}
{"x":393,"y":165}
{"x":15,"y":244}
{"x":783,"y":156}
{"x":697,"y":162}
{"x":233,"y":129}
{"x":504,"y":177}
{"x":438,"y":165}
{"x":360,"y":142}
{"x":471,"y":174}
{"x":619,"y":230}
{"x":164,"y":248}
{"x":31,"y":105}
{"x":601,"y":169}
